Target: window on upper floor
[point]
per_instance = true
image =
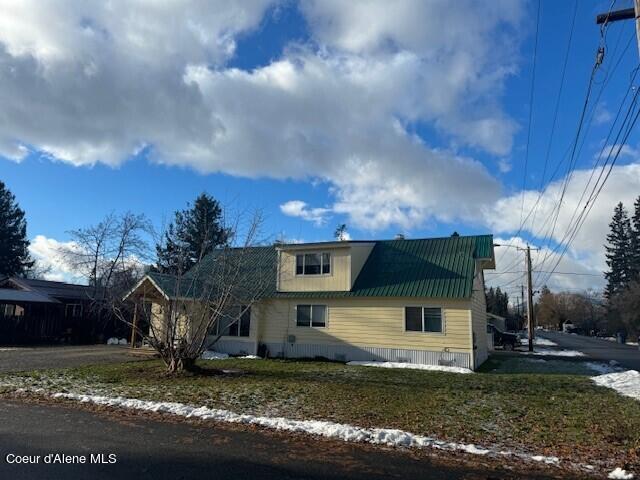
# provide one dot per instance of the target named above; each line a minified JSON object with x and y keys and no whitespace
{"x":423,"y":319}
{"x":313,"y":263}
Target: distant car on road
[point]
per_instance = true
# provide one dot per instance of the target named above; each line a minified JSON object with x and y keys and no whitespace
{"x":506,"y":340}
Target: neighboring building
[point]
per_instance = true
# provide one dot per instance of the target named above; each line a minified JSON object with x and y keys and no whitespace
{"x":40,"y":311}
{"x":419,"y":301}
{"x":497,"y":320}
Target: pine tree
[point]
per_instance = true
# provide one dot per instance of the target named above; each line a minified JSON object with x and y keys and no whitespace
{"x":14,"y":246}
{"x":193,"y":233}
{"x":635,"y":241}
{"x":618,"y":252}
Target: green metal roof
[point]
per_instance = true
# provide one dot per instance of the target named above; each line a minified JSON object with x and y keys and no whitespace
{"x":251,"y":267}
{"x":429,"y":267}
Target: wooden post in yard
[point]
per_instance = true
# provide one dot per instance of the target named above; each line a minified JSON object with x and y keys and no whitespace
{"x":530,"y":314}
{"x":135,"y":324}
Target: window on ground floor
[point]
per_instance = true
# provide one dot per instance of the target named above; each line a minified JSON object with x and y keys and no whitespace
{"x":237,"y":323}
{"x":311,"y":316}
{"x":423,"y":319}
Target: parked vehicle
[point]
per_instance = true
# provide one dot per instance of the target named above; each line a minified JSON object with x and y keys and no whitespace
{"x":506,"y":340}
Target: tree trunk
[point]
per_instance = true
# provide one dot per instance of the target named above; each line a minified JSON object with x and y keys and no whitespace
{"x":179,"y":365}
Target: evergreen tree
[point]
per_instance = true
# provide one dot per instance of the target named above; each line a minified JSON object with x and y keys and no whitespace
{"x":194,"y":233}
{"x":618,"y":252}
{"x":340,"y":233}
{"x":14,"y":246}
{"x":635,"y":241}
{"x":490,"y":296}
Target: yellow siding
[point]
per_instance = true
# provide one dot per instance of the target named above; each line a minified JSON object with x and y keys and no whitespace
{"x":375,"y":322}
{"x":338,"y":280}
{"x":479,"y":319}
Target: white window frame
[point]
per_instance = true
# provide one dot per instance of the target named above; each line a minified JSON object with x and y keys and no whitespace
{"x":326,"y":315}
{"x":243,"y":308}
{"x":322,"y":254}
{"x":423,"y":332}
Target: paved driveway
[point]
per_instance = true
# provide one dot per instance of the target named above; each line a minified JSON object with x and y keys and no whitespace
{"x":597,"y":348}
{"x":33,"y":358}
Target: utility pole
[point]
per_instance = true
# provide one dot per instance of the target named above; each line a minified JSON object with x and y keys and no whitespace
{"x":530,"y":312}
{"x":624,"y":14}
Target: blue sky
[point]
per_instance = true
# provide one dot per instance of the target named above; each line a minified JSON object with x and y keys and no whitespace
{"x":261,"y":107}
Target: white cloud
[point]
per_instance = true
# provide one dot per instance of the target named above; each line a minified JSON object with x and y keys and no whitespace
{"x":623,"y":185}
{"x":504,"y":165}
{"x":572,"y":273}
{"x":91,"y":83}
{"x":48,"y":253}
{"x":602,"y":114}
{"x":300,"y":209}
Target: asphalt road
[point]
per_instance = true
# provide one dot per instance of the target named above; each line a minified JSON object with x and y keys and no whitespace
{"x":34,"y":358}
{"x":146,"y":448}
{"x":597,"y":348}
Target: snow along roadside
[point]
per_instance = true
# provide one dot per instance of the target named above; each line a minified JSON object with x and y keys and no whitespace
{"x":340,"y":431}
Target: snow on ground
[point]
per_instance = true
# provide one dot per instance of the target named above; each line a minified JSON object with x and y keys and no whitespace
{"x":625,"y":383}
{"x":620,"y":474}
{"x":211,"y":355}
{"x":542,"y":342}
{"x":557,"y":353}
{"x":413,"y":366}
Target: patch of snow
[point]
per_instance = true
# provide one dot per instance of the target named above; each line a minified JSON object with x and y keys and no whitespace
{"x":123,"y":341}
{"x":548,"y":460}
{"x":211,"y":355}
{"x":113,"y":341}
{"x":543,"y":342}
{"x":620,"y":474}
{"x":413,"y":366}
{"x":557,"y":353}
{"x":535,"y":360}
{"x":625,"y":383}
{"x":252,"y":357}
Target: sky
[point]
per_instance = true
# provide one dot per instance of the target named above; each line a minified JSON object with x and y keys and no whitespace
{"x":413,"y":117}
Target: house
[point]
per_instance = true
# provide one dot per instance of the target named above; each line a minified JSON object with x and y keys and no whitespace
{"x":418,"y":300}
{"x":497,"y":320}
{"x":41,"y":311}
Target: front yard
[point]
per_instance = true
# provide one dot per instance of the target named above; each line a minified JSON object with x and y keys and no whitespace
{"x":514,"y":404}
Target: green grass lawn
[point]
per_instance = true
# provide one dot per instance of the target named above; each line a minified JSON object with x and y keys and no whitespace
{"x":514,"y":403}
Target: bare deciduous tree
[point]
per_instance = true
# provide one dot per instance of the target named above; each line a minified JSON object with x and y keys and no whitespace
{"x":197,"y":307}
{"x":110,"y":256}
